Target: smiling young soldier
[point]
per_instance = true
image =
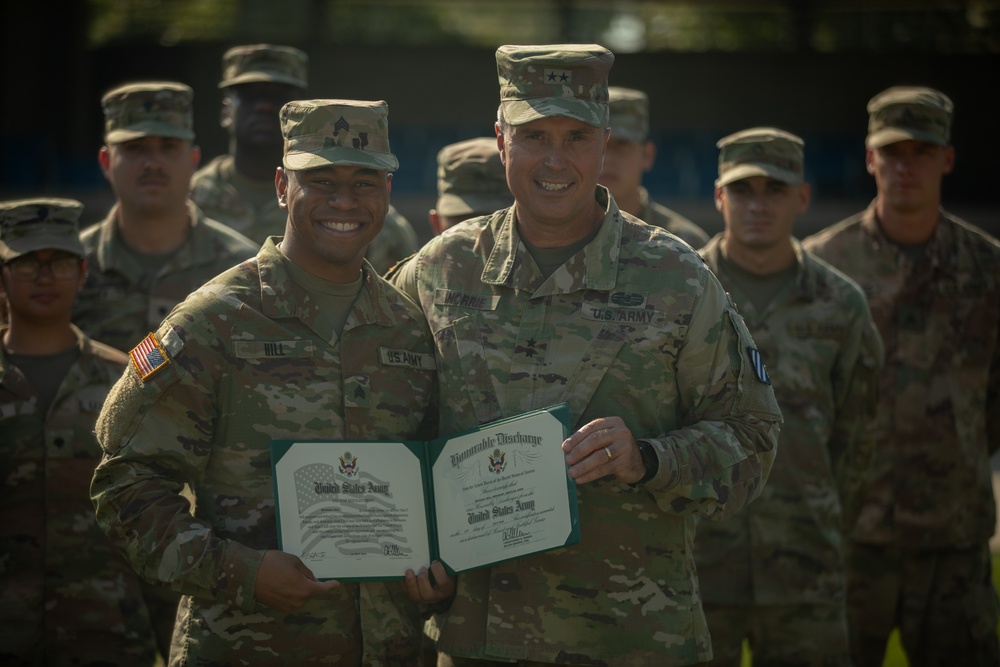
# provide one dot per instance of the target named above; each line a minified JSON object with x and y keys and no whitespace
{"x":773,"y":574}
{"x":918,"y":556}
{"x":286,"y":345}
{"x":564,"y":298}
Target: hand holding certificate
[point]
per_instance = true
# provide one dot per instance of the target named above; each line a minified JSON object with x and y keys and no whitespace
{"x":372,"y":510}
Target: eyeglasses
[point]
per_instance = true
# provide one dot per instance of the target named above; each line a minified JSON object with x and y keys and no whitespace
{"x":29,"y":268}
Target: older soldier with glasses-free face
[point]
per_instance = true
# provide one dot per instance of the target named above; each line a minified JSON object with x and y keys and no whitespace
{"x":563,"y":298}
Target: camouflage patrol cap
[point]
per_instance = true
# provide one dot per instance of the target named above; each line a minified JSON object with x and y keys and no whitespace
{"x":629,"y":114}
{"x":27,"y":225}
{"x":760,"y":151}
{"x":149,"y":108}
{"x":908,"y":112}
{"x":324,"y":132}
{"x":255,"y":63}
{"x":471,"y":178}
{"x":554,"y":80}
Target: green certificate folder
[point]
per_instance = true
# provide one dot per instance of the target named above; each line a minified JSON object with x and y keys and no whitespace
{"x":357,"y":511}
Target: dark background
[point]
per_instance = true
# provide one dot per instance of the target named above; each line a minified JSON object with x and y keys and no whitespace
{"x":53,"y":77}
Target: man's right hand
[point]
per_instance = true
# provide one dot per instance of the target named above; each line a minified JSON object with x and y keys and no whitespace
{"x":285,"y":583}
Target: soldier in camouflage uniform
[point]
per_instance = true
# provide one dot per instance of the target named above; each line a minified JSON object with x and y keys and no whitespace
{"x":471,"y":181}
{"x":66,"y":596}
{"x":630,"y":155}
{"x":155,"y":246}
{"x":774,"y":574}
{"x":290,"y":344}
{"x":918,"y":555}
{"x":238,"y":188}
{"x":563,"y":297}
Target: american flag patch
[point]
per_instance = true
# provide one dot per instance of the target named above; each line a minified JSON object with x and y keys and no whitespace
{"x":148,"y":357}
{"x":758,"y":365}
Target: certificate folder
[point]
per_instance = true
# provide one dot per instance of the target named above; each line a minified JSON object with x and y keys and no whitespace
{"x":366,"y":511}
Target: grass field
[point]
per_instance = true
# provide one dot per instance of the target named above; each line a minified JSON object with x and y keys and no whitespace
{"x":894,"y":655}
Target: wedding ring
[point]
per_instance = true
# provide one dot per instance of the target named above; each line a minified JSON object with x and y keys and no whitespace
{"x":608,"y":452}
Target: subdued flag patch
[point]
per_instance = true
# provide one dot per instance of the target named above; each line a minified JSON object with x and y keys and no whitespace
{"x":148,"y":357}
{"x":758,"y":365}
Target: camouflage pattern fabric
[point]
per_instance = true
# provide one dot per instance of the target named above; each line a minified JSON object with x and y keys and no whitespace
{"x":938,"y":425}
{"x":804,"y":635}
{"x":251,"y":358}
{"x":222,"y":196}
{"x":823,"y":355}
{"x":940,"y":322}
{"x":670,"y":220}
{"x":942,"y":600}
{"x":120,"y":303}
{"x":66,"y":596}
{"x":396,"y":241}
{"x":633,"y":325}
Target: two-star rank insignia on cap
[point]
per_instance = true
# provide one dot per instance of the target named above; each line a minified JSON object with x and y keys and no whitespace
{"x":148,"y":357}
{"x":758,"y":365}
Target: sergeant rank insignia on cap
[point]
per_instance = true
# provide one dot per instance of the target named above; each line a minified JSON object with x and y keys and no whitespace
{"x":148,"y":357}
{"x":758,"y":365}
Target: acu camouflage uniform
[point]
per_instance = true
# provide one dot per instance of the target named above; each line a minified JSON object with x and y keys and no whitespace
{"x":940,"y":321}
{"x":785,"y":551}
{"x":633,"y":325}
{"x":930,"y":505}
{"x":939,"y":408}
{"x":249,"y":359}
{"x":121,"y":302}
{"x":629,"y":116}
{"x":66,"y":596}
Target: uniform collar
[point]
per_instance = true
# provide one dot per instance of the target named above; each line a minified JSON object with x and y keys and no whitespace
{"x":508,"y":262}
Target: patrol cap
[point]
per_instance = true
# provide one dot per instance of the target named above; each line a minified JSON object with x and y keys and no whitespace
{"x":760,"y":151}
{"x":27,"y":225}
{"x":629,"y":114}
{"x":148,"y":108}
{"x":554,"y":80}
{"x":253,"y":63}
{"x":471,"y":178}
{"x":909,"y":112}
{"x":323,"y":132}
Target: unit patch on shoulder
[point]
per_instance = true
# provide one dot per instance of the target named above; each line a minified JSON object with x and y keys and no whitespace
{"x":148,"y":357}
{"x":758,"y":365}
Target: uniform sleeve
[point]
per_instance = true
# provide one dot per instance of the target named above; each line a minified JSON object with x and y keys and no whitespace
{"x":720,"y":460}
{"x":157,"y":437}
{"x":404,"y":277}
{"x":852,"y":438}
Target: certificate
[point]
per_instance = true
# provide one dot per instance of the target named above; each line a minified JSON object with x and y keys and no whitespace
{"x":356,"y":510}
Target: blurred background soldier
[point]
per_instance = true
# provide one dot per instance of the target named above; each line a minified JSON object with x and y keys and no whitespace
{"x":470,"y":181}
{"x":155,"y":246}
{"x":773,"y":574}
{"x":630,"y":155}
{"x":237,"y":188}
{"x":67,"y":597}
{"x":918,"y":556}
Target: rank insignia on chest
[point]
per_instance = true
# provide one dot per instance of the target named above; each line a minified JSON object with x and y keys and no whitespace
{"x":148,"y":357}
{"x":757,"y":361}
